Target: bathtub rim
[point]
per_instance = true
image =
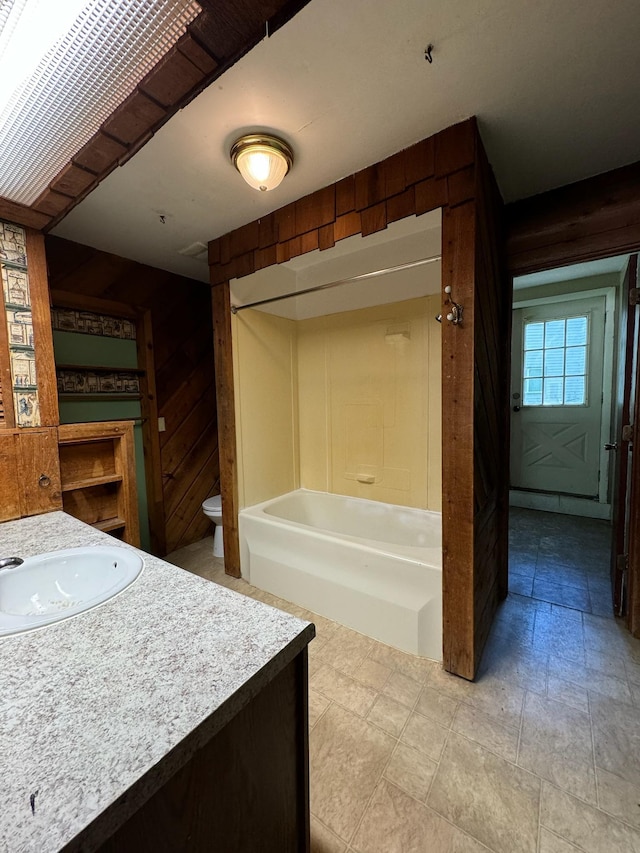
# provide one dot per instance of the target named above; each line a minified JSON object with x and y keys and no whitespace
{"x":377,"y":546}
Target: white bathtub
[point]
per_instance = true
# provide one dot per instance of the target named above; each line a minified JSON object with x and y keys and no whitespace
{"x":372,"y":566}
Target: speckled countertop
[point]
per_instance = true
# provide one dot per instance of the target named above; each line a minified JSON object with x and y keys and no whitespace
{"x":98,"y":711}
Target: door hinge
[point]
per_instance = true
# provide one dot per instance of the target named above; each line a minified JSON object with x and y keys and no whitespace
{"x":627,"y":432}
{"x":634,"y":296}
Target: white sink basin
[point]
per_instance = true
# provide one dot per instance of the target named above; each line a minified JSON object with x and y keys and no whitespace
{"x":61,"y":584}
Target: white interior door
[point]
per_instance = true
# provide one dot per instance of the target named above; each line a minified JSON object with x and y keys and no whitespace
{"x":557,"y":372}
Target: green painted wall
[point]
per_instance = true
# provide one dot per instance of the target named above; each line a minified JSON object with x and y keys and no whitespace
{"x":73,"y":348}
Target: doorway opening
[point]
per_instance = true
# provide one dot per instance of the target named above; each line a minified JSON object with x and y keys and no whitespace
{"x":567,"y":384}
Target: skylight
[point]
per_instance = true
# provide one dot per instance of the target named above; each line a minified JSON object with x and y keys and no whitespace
{"x":64,"y":68}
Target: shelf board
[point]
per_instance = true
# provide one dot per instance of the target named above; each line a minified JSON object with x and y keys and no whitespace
{"x":89,"y":482}
{"x":110,"y":524}
{"x":101,"y":368}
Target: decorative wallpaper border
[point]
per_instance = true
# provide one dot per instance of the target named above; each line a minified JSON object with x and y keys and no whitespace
{"x":97,"y":382}
{"x":88,"y":323}
{"x":17,"y":303}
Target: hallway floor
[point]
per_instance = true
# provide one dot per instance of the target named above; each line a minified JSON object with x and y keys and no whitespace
{"x":540,"y":755}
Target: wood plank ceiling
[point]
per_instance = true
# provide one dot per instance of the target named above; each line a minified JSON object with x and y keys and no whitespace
{"x":221,"y":34}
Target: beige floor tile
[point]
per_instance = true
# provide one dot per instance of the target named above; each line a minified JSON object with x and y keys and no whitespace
{"x":323,"y":840}
{"x":411,"y":771}
{"x":494,"y":697}
{"x":557,"y":573}
{"x":633,"y":671}
{"x":344,"y":690}
{"x":415,"y":667}
{"x":396,"y":823}
{"x":316,"y":661}
{"x":346,"y":650}
{"x":521,"y":584}
{"x":591,"y":679}
{"x":621,"y":799}
{"x":516,"y":666}
{"x":585,"y":826}
{"x":318,"y":704}
{"x":551,"y":843}
{"x":513,"y":634}
{"x":473,"y":724}
{"x":486,"y":796}
{"x":388,"y":715}
{"x":372,"y":673}
{"x":325,"y":628}
{"x":347,"y":756}
{"x":608,"y":662}
{"x":436,"y":706}
{"x":569,"y":694}
{"x":556,"y":744}
{"x":425,"y":735}
{"x":402,"y":688}
{"x":616,"y":737}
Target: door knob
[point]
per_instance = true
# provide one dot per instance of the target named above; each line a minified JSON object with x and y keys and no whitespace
{"x":516,"y":408}
{"x":613,"y":446}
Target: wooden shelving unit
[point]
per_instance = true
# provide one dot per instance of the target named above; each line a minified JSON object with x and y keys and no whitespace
{"x":97,"y":468}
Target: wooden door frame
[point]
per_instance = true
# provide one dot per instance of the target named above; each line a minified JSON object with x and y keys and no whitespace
{"x":448,"y":171}
{"x":589,"y":220}
{"x":623,"y":416}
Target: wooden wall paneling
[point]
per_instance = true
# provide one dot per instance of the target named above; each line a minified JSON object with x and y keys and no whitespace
{"x":491,"y":433}
{"x":180,"y":365}
{"x":82,"y":302}
{"x":10,"y":477}
{"x":221,"y":306}
{"x":150,"y":435}
{"x":39,"y":471}
{"x":458,"y":258}
{"x":177,"y":460}
{"x":42,"y":334}
{"x":128,"y":494}
{"x":590,"y":219}
{"x":201,"y":457}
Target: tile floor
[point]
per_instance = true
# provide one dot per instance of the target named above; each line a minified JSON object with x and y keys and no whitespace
{"x":540,"y":755}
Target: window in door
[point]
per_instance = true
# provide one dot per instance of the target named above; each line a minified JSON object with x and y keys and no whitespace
{"x":555,"y":362}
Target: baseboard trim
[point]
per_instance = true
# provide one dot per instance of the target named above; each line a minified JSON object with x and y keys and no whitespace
{"x":560,"y":503}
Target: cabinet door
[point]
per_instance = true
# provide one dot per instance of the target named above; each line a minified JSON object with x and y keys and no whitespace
{"x":10,"y":503}
{"x":39,"y":468}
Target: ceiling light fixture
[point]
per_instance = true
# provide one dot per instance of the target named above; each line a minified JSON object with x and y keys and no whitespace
{"x":262,"y":160}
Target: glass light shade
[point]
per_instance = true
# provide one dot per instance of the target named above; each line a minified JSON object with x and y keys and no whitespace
{"x":262,"y":160}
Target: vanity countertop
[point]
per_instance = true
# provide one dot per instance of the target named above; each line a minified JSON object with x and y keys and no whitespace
{"x":98,"y":711}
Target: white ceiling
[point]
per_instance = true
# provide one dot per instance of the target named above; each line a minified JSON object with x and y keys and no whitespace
{"x":556,"y":87}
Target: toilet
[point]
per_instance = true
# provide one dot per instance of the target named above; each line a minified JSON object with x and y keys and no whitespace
{"x":212,"y":508}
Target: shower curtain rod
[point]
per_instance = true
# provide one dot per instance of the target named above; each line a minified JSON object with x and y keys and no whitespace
{"x":362,"y":277}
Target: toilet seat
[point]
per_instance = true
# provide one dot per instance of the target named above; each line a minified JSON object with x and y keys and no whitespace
{"x":213,"y":506}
